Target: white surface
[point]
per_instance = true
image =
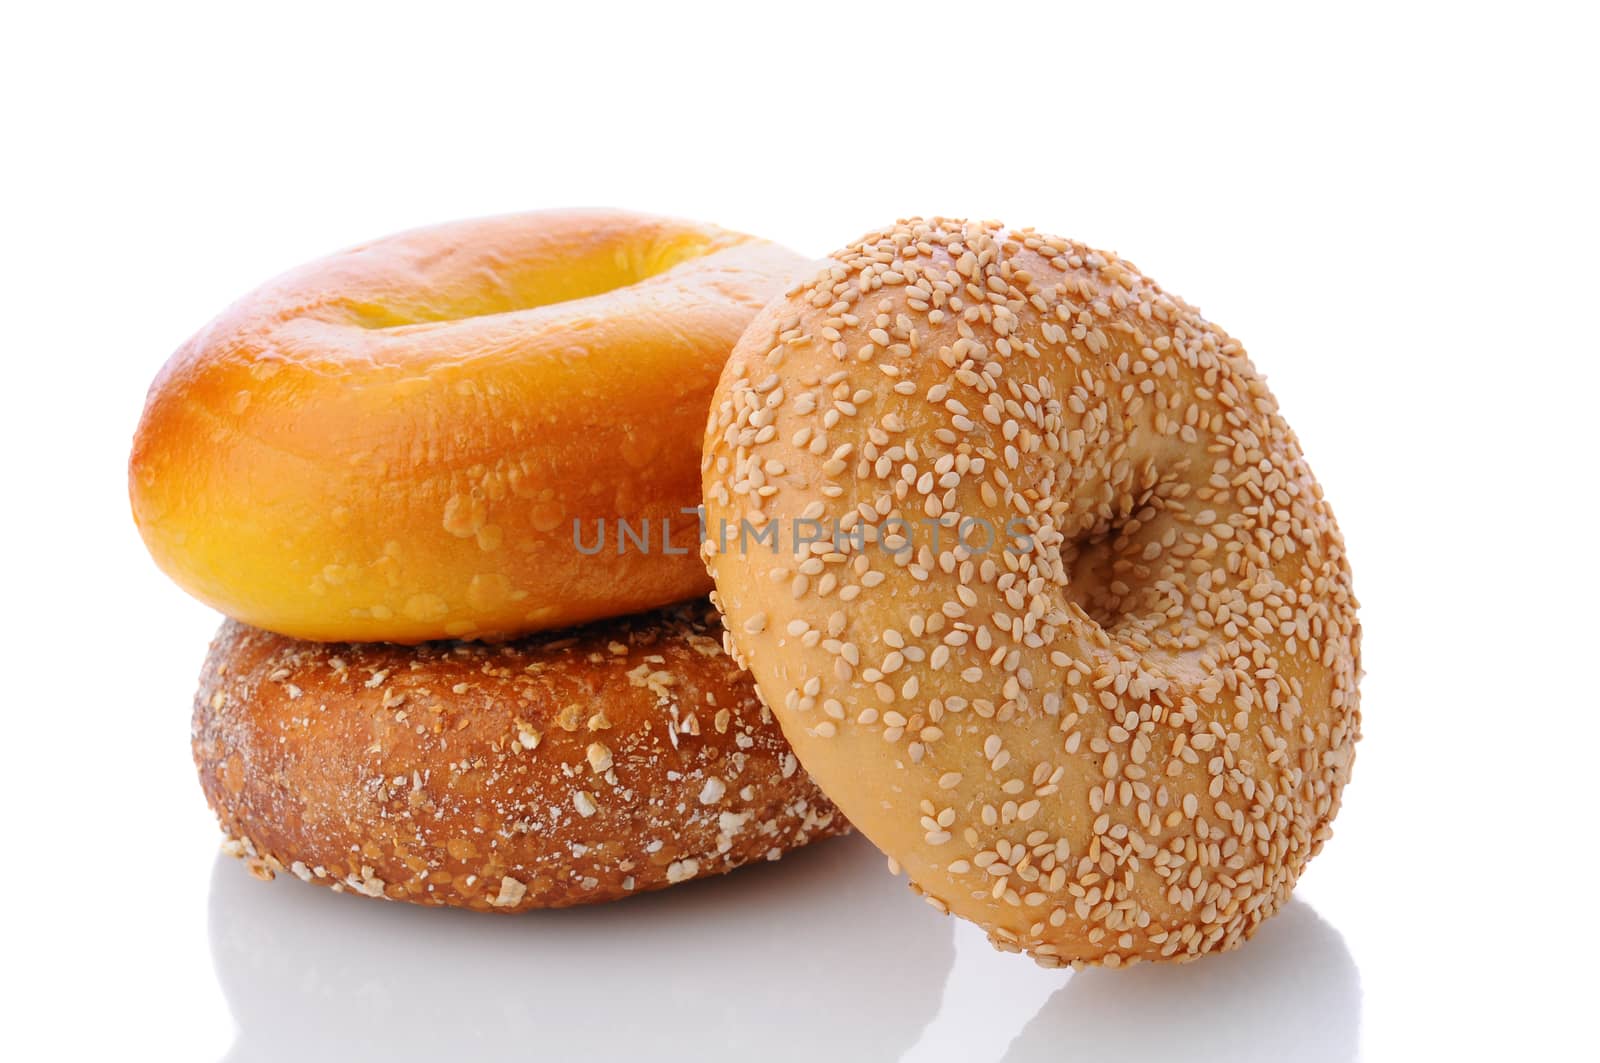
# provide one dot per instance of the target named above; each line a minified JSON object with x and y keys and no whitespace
{"x":1394,"y":211}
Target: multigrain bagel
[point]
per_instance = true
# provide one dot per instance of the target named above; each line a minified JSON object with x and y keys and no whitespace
{"x":395,"y":443}
{"x":554,"y":770}
{"x":1109,"y":712}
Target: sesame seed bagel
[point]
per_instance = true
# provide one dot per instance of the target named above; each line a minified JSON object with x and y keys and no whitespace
{"x":559,"y":769}
{"x":395,"y":443}
{"x":1048,"y":602}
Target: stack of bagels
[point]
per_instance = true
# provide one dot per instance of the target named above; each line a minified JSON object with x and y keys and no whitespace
{"x":1020,"y":569}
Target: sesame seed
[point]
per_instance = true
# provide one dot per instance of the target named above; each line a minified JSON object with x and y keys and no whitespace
{"x":1160,"y":563}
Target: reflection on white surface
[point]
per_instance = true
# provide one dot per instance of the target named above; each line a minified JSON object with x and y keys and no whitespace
{"x":989,"y":996}
{"x":1292,"y":992}
{"x":821,"y":956}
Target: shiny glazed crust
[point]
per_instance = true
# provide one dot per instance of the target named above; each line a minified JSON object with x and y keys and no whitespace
{"x":559,"y":769}
{"x":394,"y":443}
{"x":1058,"y":614}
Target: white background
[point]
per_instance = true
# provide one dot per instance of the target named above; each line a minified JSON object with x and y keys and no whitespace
{"x":1393,"y":208}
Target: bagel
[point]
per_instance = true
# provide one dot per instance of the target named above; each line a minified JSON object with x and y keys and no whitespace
{"x":426,"y":436}
{"x":555,"y":770}
{"x":1048,"y":602}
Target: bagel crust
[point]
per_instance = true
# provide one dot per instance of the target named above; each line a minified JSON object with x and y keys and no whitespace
{"x":426,"y":436}
{"x":555,"y":770}
{"x":1051,"y":604}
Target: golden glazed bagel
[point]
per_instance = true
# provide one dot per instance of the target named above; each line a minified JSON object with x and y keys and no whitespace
{"x":394,"y":443}
{"x":1109,"y":711}
{"x":555,"y":770}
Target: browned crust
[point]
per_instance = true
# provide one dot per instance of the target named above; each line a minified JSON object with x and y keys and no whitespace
{"x":406,"y":772}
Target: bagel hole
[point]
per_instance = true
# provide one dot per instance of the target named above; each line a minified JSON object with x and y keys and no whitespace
{"x":466,"y":289}
{"x":1107,"y":572}
{"x":1126,"y":585}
